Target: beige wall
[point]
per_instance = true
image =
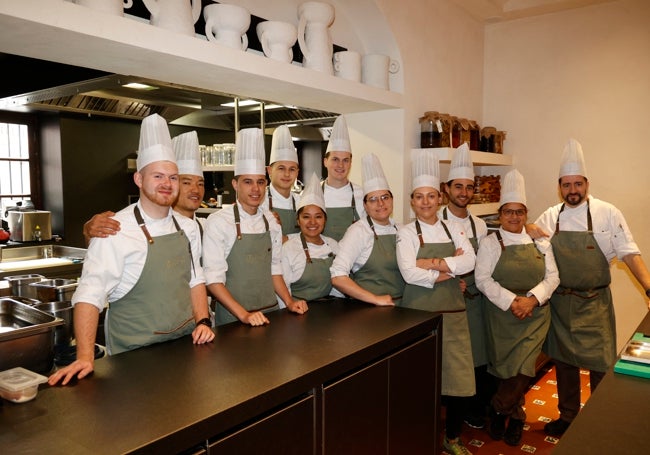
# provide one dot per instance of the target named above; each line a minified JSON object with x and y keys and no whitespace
{"x":583,"y":73}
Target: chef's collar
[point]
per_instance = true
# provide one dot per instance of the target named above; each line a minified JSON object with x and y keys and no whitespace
{"x":150,"y":220}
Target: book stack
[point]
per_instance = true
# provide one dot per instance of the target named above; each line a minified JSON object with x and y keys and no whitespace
{"x":635,"y":357}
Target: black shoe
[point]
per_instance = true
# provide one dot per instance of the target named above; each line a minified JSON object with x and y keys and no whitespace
{"x":497,"y":426}
{"x":474,"y":420}
{"x":512,"y":436}
{"x":556,"y":427}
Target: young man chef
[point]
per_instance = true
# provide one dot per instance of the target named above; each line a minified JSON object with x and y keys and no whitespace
{"x":242,"y":244}
{"x":343,"y":199}
{"x":283,"y":171}
{"x":148,"y":273}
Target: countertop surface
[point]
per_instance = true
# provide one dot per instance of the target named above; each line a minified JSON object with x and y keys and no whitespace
{"x":147,"y":395}
{"x":616,"y":417}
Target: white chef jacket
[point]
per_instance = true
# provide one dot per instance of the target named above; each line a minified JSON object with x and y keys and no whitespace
{"x":408,"y":245}
{"x":609,"y":226}
{"x":356,"y":246}
{"x":341,"y":197}
{"x":488,"y":255}
{"x":113,"y":264}
{"x":220,"y":234}
{"x":196,"y":219}
{"x":294,"y":260}
{"x":279,"y":201}
{"x":479,"y":224}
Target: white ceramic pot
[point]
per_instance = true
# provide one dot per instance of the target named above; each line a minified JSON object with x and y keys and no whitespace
{"x":227,"y":25}
{"x":115,"y":7}
{"x":314,"y":35}
{"x":277,"y":39}
{"x":175,"y":15}
{"x":375,"y":69}
{"x":347,"y":65}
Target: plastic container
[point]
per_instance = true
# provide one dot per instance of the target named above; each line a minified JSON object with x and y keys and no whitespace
{"x":20,"y":385}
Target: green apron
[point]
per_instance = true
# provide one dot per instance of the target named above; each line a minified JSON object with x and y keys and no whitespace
{"x":316,"y":281}
{"x":158,"y":308}
{"x":380,"y":274}
{"x":515,"y":344}
{"x":249,"y":278}
{"x":339,"y":219}
{"x":475,"y":304}
{"x":583,"y":326}
{"x":445,"y":297}
{"x":287,"y":216}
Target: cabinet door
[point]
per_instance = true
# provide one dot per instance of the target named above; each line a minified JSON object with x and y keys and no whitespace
{"x":288,"y":431}
{"x":355,"y":412}
{"x":413,"y":397}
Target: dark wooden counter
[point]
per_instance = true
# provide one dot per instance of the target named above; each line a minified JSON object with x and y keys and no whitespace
{"x":169,"y":397}
{"x":616,"y":417}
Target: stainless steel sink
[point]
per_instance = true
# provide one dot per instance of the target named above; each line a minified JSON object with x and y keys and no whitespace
{"x":28,"y":253}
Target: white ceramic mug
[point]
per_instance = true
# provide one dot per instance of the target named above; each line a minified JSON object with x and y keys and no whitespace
{"x":375,"y":69}
{"x":277,"y":39}
{"x":227,"y":24}
{"x":115,"y":7}
{"x":347,"y":65}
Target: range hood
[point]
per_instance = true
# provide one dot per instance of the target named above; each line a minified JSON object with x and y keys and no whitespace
{"x":112,"y":95}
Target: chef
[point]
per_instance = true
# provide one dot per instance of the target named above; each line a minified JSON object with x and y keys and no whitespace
{"x":242,"y":244}
{"x":460,"y":192}
{"x":586,"y":234}
{"x":343,"y":199}
{"x":366,"y":266}
{"x":518,"y":277}
{"x":148,"y":273}
{"x":431,"y":254}
{"x":283,"y":171}
{"x":306,"y":258}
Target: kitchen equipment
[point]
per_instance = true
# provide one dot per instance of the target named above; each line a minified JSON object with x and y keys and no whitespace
{"x":277,"y":39}
{"x":115,"y":7}
{"x":26,"y":336}
{"x":57,"y":289}
{"x":20,"y":285}
{"x":63,"y":334}
{"x":29,"y":225}
{"x":175,"y":15}
{"x":347,"y":65}
{"x":20,"y":385}
{"x":314,"y":36}
{"x":375,"y":69}
{"x":227,"y":24}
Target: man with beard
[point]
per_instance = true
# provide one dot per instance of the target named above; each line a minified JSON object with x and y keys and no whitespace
{"x":148,"y":272}
{"x":586,"y":234}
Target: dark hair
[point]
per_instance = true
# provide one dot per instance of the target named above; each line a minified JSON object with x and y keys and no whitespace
{"x":559,"y":181}
{"x":300,"y":210}
{"x":365,"y":197}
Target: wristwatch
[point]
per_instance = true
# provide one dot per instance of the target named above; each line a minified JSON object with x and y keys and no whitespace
{"x":205,"y":321}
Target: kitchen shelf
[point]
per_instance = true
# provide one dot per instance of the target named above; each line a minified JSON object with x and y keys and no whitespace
{"x":220,"y":168}
{"x":73,"y":34}
{"x":445,"y":154}
{"x":484,"y":209}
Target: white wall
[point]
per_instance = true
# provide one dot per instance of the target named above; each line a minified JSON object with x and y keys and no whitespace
{"x":583,"y":73}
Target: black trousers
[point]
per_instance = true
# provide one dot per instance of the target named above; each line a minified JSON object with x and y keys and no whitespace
{"x":568,"y":388}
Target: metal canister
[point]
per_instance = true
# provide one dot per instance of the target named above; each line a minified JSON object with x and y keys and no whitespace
{"x":20,"y":285}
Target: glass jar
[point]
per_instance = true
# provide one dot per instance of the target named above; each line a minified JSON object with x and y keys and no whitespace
{"x":445,"y":131}
{"x":474,"y":135}
{"x":455,"y":132}
{"x":464,"y":131}
{"x":430,"y":130}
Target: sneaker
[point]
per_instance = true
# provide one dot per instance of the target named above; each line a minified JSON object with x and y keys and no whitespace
{"x":556,"y":427}
{"x":474,"y":420}
{"x":512,"y":436}
{"x":455,"y":447}
{"x":497,"y":426}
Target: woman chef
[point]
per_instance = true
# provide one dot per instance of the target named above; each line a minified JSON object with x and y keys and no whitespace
{"x":518,"y":277}
{"x":431,"y":253}
{"x":366,"y":266}
{"x":306,"y":258}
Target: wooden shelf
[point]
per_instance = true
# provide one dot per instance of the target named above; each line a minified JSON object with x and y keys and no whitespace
{"x":445,"y":154}
{"x":484,"y":209}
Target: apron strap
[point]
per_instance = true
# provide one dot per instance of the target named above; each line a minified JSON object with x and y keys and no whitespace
{"x":140,"y":221}
{"x":372,"y":226}
{"x":590,"y":227}
{"x":471,"y":221}
{"x":269,"y":196}
{"x":305,"y":248}
{"x":238,"y":221}
{"x":500,"y":239}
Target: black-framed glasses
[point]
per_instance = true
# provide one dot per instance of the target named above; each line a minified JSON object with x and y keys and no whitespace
{"x":510,"y":212}
{"x":382,"y":198}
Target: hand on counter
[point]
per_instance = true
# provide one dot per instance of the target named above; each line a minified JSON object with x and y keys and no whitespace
{"x":202,"y":334}
{"x":255,"y":319}
{"x":298,"y":306}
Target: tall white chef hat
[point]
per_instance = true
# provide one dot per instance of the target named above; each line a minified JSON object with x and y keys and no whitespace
{"x":461,"y":166}
{"x":312,"y":194}
{"x":573,"y":160}
{"x":188,"y":155}
{"x":282,"y":148}
{"x":372,"y":174}
{"x":425,"y":170}
{"x":155,"y":142}
{"x":249,"y":153}
{"x":513,"y":188}
{"x":340,"y":138}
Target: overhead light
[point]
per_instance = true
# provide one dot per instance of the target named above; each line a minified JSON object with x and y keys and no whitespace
{"x":241,"y":103}
{"x":139,"y":86}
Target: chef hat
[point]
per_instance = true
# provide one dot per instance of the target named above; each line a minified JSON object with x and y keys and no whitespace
{"x":372,"y":174}
{"x":312,"y":194}
{"x":249,"y":153}
{"x":155,"y":143}
{"x":339,"y":139}
{"x":188,"y":155}
{"x":513,"y":188}
{"x":573,"y":160}
{"x":461,"y":166}
{"x":425,"y":170}
{"x":282,"y":148}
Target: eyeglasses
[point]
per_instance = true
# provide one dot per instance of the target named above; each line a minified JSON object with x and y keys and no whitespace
{"x":510,"y":212}
{"x":375,"y":199}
